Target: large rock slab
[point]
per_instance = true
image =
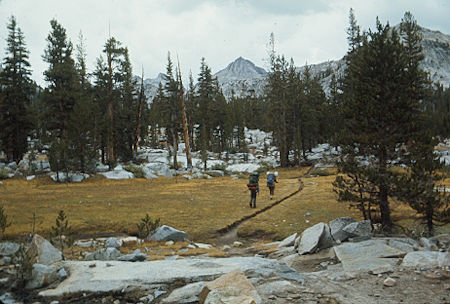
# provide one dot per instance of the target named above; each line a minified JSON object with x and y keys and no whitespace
{"x":167,"y":233}
{"x":42,"y":252}
{"x":315,"y":237}
{"x":427,"y":259}
{"x":337,"y":228}
{"x":109,"y":276}
{"x":230,"y":288}
{"x":371,"y":255}
{"x":370,"y":248}
{"x":374,"y":265}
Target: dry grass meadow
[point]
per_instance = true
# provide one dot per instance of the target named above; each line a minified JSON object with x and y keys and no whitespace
{"x":199,"y":207}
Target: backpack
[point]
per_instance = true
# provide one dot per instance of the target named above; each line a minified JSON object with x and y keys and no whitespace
{"x":253,"y":179}
{"x":270,"y":179}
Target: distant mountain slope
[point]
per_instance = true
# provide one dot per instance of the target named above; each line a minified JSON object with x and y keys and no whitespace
{"x":243,"y":77}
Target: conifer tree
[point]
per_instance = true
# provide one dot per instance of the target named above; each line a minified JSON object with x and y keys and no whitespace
{"x":16,"y":91}
{"x":109,"y":77}
{"x":421,"y":187}
{"x":380,"y":115}
{"x":60,"y":96}
{"x":84,"y":119}
{"x":171,"y":109}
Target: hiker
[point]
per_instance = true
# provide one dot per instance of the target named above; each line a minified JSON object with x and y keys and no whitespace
{"x":271,"y":180}
{"x":253,"y":186}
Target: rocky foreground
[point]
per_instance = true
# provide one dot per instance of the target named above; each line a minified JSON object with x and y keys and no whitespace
{"x":336,"y":262}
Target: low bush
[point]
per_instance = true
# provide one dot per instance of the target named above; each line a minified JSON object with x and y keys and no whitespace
{"x":147,"y":226}
{"x":222,"y":166}
{"x":137,"y":171}
{"x":4,"y":173}
{"x":319,"y":172}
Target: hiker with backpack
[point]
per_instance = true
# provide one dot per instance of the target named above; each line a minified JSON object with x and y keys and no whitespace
{"x":271,"y":180}
{"x":253,"y":186}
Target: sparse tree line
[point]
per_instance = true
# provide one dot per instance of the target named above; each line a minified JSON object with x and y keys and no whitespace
{"x":383,"y":113}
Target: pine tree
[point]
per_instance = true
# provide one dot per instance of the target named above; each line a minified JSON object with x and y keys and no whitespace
{"x":277,"y":97}
{"x":61,"y":76}
{"x":109,"y":82}
{"x":205,"y":99}
{"x":60,"y":96}
{"x":379,"y":113}
{"x":420,"y":187}
{"x":83,"y":120}
{"x":172,"y":109}
{"x":16,"y":91}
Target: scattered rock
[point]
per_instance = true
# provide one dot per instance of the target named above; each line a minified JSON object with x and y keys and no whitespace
{"x":215,"y":173}
{"x":41,"y":275}
{"x":203,"y":246}
{"x":113,"y":242}
{"x":288,"y":241}
{"x":427,"y":259}
{"x":42,"y":252}
{"x":104,"y":254}
{"x":189,"y":292}
{"x":233,"y":287}
{"x":8,"y":248}
{"x":337,"y":228}
{"x":428,"y":244}
{"x":237,"y":244}
{"x":226,"y":248}
{"x":282,"y":287}
{"x":169,"y":243}
{"x":61,"y":274}
{"x":358,"y":229}
{"x":167,"y":233}
{"x":389,"y":282}
{"x":133,"y":257}
{"x":84,"y":244}
{"x":442,"y":240}
{"x":315,"y":237}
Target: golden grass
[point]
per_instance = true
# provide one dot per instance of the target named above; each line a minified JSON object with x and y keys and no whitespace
{"x":199,"y":207}
{"x":317,"y":198}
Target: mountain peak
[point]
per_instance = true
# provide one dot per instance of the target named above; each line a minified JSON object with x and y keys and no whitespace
{"x":240,"y":69}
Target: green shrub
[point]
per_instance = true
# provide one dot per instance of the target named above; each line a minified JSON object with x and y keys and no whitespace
{"x":3,"y":221}
{"x":263,"y":167}
{"x":319,"y":172}
{"x":23,"y":266}
{"x":137,"y":171}
{"x":4,"y":173}
{"x":221,"y":167}
{"x":61,"y":233}
{"x":147,"y":226}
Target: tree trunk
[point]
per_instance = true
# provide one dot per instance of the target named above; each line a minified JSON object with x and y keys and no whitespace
{"x":385,"y":211}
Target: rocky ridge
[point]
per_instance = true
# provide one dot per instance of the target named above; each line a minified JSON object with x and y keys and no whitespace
{"x":243,"y":77}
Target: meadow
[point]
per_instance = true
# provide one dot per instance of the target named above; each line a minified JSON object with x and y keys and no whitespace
{"x":200,"y":206}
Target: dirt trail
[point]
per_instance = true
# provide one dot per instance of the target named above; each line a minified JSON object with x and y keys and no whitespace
{"x":228,"y":234}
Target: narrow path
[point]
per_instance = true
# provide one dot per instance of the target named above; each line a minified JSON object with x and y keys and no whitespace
{"x":228,"y":234}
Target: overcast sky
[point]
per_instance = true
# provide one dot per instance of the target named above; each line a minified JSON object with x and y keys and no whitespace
{"x":219,"y":30}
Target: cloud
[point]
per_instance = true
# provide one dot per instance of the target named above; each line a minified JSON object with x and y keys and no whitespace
{"x":220,"y":30}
